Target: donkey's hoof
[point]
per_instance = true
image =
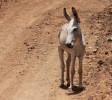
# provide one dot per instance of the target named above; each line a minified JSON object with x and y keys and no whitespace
{"x":70,"y":90}
{"x":62,"y":86}
{"x":68,"y":84}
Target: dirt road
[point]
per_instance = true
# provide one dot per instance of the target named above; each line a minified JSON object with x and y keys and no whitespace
{"x":29,"y":66}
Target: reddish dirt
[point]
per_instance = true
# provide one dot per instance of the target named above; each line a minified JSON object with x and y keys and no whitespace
{"x":29,"y":65}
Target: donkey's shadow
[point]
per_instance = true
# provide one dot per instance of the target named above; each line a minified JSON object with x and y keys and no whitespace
{"x":76,"y":90}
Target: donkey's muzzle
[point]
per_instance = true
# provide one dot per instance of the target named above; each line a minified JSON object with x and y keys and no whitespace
{"x":69,"y":45}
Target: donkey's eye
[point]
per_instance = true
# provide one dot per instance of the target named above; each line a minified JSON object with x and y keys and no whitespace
{"x":75,"y":29}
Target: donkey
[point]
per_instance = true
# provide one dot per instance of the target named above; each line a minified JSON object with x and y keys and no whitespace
{"x":72,"y":41}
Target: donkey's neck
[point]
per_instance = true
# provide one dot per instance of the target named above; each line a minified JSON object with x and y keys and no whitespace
{"x":79,"y":40}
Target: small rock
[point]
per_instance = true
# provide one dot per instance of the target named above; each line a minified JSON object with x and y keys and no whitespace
{"x":96,"y":36}
{"x":30,"y":27}
{"x":86,"y":42}
{"x":95,"y":50}
{"x":47,"y":23}
{"x":26,"y":43}
{"x":49,"y":13}
{"x":89,"y":47}
{"x":87,"y":53}
{"x":100,"y":62}
{"x":86,"y":82}
{"x":51,"y":42}
{"x":106,"y":53}
{"x":32,"y":47}
{"x":37,"y":24}
{"x":110,"y":39}
{"x":38,"y":57}
{"x":97,"y":47}
{"x":21,"y":73}
{"x":48,"y":32}
{"x":92,"y":33}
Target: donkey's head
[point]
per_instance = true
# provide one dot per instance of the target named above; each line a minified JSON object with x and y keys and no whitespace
{"x":73,"y":26}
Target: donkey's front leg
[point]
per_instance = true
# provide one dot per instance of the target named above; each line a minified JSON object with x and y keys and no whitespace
{"x":68,"y":61}
{"x":72,"y":72}
{"x":62,"y":65}
{"x":80,"y":71}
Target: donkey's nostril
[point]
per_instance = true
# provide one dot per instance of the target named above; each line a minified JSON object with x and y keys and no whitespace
{"x":69,"y":45}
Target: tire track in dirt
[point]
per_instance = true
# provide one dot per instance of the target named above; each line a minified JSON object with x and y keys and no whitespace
{"x":13,"y":51}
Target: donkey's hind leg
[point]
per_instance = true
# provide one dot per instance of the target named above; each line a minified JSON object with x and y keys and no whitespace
{"x":68,"y":61}
{"x":62,"y":65}
{"x":80,"y":71}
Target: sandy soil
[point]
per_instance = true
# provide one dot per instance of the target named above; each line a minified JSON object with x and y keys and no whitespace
{"x":29,"y":65}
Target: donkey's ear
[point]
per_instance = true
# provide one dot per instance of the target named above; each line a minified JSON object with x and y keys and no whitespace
{"x":74,"y":11}
{"x":66,"y":15}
